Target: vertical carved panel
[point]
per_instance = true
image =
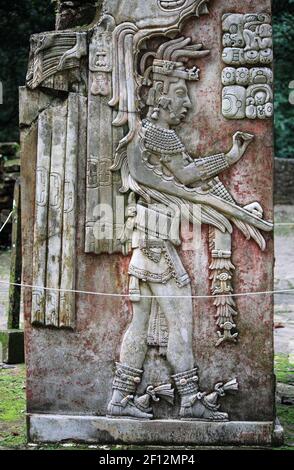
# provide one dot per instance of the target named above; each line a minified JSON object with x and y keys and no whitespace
{"x":41,"y":215}
{"x":67,"y":281}
{"x":55,"y":214}
{"x":102,"y":185}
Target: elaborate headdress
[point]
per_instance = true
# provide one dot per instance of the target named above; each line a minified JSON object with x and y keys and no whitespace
{"x":169,"y":60}
{"x":168,"y":66}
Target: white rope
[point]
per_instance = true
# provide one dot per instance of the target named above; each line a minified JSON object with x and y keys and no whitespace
{"x":6,"y":221}
{"x":104,"y":294}
{"x":284,"y":224}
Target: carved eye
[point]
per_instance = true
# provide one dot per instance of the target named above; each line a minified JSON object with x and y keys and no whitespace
{"x":171,"y":5}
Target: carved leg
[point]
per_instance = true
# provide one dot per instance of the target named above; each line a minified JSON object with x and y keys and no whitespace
{"x":128,"y":373}
{"x":134,"y":345}
{"x":179,"y":314}
{"x":194,"y":404}
{"x":122,"y":404}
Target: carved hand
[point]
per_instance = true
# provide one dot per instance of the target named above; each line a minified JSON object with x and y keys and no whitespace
{"x":241,"y":140}
{"x":255,"y":209}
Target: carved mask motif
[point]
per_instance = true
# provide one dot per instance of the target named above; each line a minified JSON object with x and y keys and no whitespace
{"x":151,"y":12}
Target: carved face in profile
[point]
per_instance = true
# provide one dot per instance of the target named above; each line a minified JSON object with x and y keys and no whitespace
{"x":147,"y":13}
{"x":179,"y":103}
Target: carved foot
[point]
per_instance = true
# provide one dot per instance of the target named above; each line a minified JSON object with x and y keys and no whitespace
{"x":126,"y":408}
{"x":123,"y":404}
{"x":195,"y":407}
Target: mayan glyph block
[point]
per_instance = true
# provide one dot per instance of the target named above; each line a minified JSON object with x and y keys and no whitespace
{"x":247,"y":50}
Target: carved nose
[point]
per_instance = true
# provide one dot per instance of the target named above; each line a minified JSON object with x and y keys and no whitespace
{"x":188,"y":103}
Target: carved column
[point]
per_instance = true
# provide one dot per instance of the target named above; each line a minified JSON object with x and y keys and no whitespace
{"x":151,"y":119}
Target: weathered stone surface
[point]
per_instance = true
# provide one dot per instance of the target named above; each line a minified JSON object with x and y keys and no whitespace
{"x":285,"y":394}
{"x":9,"y":173}
{"x":15,"y":262}
{"x":49,"y":428}
{"x":133,"y":136}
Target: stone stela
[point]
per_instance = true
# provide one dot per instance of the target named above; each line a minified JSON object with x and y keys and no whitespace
{"x":148,"y":129}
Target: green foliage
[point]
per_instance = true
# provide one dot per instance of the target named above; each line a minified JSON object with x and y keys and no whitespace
{"x":283,"y":29}
{"x":18,"y":20}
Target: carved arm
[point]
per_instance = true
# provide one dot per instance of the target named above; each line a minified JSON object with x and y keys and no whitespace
{"x":189,"y":171}
{"x":198,"y":170}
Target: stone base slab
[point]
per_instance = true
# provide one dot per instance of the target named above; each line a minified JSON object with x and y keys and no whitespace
{"x":91,"y":429}
{"x":12,"y":346}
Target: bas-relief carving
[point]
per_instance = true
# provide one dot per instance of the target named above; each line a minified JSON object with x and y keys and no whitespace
{"x":53,"y":53}
{"x":154,"y":14}
{"x":134,"y":135}
{"x":156,"y":166}
{"x":247,"y":42}
{"x":55,"y":214}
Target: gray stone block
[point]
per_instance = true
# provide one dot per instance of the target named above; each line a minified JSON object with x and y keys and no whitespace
{"x":12,"y":346}
{"x":91,"y":429}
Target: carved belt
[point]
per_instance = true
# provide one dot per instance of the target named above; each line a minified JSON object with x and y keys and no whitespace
{"x":175,"y":268}
{"x":173,"y":260}
{"x":152,"y":249}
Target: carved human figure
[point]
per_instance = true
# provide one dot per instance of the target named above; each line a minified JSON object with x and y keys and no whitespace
{"x":157,"y":167}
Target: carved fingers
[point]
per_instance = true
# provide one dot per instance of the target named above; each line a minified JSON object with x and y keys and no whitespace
{"x":241,"y":140}
{"x":255,"y":209}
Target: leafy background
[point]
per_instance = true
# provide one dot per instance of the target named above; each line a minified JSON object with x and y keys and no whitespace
{"x":20,"y":18}
{"x":283,"y":27}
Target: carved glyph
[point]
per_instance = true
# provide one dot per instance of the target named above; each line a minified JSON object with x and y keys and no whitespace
{"x":247,"y":79}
